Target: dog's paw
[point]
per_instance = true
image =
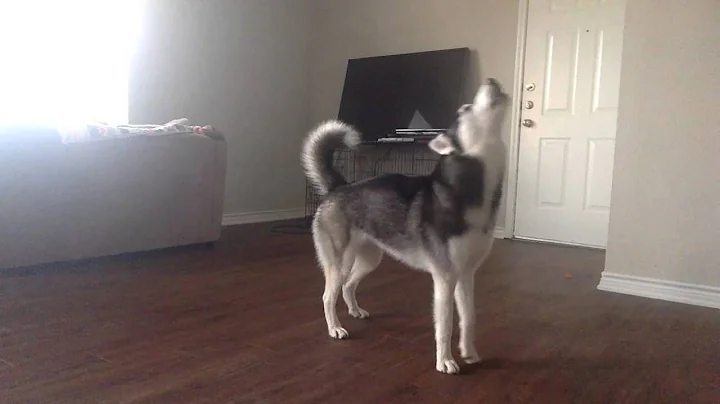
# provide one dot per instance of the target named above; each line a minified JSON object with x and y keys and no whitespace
{"x":448,"y":366}
{"x":472,"y":359}
{"x":359,"y":313}
{"x":338,"y":333}
{"x":470,"y":355}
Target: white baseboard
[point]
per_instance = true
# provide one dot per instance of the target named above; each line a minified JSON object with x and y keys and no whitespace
{"x":231,"y":219}
{"x":679,"y":292}
{"x":500,"y":233}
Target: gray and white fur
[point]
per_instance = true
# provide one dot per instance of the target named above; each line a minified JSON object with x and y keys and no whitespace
{"x":440,"y":223}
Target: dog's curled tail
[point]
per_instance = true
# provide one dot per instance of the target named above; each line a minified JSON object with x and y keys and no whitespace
{"x":318,"y":150}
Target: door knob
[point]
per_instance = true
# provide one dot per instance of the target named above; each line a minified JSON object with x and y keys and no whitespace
{"x":529,"y":104}
{"x":528,"y":123}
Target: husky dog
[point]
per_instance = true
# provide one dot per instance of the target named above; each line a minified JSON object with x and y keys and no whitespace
{"x":440,"y":223}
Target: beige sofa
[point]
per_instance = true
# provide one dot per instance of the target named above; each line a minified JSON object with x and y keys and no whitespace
{"x":62,"y":202}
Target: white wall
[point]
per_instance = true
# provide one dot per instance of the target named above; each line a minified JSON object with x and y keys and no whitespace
{"x":241,"y":66}
{"x":344,"y":29}
{"x":665,"y":216}
{"x":250,"y":66}
{"x":258,"y":69}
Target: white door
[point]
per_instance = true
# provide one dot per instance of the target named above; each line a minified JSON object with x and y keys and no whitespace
{"x":571,"y":78}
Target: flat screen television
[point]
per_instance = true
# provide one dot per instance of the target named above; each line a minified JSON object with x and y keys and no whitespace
{"x":420,"y":90}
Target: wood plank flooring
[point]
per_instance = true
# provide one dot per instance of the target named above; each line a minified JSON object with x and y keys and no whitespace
{"x":243,"y":323}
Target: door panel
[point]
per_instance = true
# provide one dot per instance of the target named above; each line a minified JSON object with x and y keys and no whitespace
{"x":560,"y":72}
{"x":551,"y":172}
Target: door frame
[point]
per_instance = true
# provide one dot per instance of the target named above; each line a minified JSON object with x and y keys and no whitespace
{"x":515,"y":115}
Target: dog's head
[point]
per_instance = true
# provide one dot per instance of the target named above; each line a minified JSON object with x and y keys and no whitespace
{"x":476,"y":123}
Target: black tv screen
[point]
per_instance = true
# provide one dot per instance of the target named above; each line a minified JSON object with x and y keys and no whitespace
{"x":408,"y":91}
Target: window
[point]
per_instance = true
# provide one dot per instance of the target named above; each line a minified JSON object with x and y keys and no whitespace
{"x":66,"y":61}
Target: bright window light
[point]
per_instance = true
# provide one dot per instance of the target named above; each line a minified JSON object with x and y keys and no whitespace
{"x":66,"y":62}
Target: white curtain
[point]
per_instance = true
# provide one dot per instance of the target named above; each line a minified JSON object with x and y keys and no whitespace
{"x":64,"y":62}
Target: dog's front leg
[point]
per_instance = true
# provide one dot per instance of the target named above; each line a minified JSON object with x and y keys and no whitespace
{"x":443,"y":286}
{"x":465,"y":301}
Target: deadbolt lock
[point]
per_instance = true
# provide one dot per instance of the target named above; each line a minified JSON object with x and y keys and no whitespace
{"x":530,"y":86}
{"x":529,"y":104}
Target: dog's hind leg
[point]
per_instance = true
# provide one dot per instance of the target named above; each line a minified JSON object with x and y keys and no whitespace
{"x":336,"y":266}
{"x":368,"y":257}
{"x":333,"y":283}
{"x":465,"y":301}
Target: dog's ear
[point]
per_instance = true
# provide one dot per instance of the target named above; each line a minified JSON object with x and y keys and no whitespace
{"x":442,"y":145}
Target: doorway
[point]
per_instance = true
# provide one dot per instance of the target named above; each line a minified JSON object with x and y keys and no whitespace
{"x":569,"y":84}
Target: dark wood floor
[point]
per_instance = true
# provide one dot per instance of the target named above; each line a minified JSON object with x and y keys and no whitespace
{"x":243,"y":323}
